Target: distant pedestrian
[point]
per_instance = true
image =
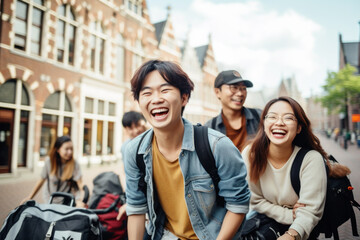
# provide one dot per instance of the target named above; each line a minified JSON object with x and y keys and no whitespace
{"x":61,"y":173}
{"x":235,"y":121}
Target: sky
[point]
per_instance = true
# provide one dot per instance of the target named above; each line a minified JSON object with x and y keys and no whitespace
{"x":267,"y":40}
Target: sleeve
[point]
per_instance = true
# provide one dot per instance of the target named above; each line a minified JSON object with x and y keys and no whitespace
{"x":233,"y":185}
{"x":313,"y":181}
{"x":135,"y":199}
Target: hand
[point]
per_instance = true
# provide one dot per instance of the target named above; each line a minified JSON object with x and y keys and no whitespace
{"x":296,"y":206}
{"x":122,"y":211}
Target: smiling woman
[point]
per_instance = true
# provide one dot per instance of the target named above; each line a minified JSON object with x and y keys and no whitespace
{"x":61,"y":172}
{"x":284,"y":129}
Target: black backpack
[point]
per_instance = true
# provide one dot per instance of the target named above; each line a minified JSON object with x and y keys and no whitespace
{"x":204,"y":154}
{"x":339,"y":201}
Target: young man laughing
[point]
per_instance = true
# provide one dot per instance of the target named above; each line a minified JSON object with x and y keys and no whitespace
{"x":235,"y":121}
{"x":180,"y":200}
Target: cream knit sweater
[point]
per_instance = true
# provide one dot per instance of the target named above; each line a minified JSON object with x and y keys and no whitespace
{"x":274,"y":196}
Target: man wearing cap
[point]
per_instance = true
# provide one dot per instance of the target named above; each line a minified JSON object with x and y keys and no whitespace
{"x":235,"y":121}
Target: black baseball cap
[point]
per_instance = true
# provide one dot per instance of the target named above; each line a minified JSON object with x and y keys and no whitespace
{"x":230,"y":77}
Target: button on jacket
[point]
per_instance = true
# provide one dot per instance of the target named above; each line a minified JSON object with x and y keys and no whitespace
{"x":205,"y":215}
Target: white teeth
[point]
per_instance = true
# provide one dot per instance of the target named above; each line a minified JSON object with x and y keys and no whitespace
{"x":279,"y":131}
{"x":159,"y":110}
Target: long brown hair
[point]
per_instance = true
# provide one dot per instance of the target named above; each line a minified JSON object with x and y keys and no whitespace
{"x":55,"y":160}
{"x":260,"y":145}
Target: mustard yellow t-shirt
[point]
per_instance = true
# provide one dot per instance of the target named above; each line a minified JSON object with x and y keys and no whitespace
{"x":169,"y":184}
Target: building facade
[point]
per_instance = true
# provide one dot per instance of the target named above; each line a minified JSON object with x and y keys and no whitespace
{"x":65,"y":68}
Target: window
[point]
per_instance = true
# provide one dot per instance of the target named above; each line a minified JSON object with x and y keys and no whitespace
{"x":99,"y":137}
{"x":28,"y":25}
{"x":134,"y":6}
{"x":89,"y":105}
{"x":111,"y":109}
{"x":97,"y":47}
{"x":57,"y":118}
{"x":120,"y":59}
{"x":101,"y":107}
{"x":87,"y":137}
{"x":99,"y":126}
{"x":65,"y":34}
{"x":110,"y":141}
{"x":14,"y":118}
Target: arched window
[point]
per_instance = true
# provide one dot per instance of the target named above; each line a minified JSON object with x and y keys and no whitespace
{"x":28,"y":25}
{"x":97,"y":47}
{"x":65,"y":34}
{"x":57,"y":116}
{"x":14,"y":124}
{"x":120,"y":59}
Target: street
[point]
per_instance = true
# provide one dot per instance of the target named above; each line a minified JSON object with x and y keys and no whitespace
{"x":15,"y":189}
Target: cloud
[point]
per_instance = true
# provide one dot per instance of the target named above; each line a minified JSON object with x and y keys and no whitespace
{"x":263,"y":44}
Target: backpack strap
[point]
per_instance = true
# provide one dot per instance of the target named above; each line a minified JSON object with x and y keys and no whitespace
{"x":206,"y":157}
{"x":141,"y":165}
{"x":295,"y":170}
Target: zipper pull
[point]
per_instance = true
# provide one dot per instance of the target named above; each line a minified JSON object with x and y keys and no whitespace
{"x":49,"y":231}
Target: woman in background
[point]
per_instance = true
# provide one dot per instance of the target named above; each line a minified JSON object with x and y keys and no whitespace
{"x":61,"y":172}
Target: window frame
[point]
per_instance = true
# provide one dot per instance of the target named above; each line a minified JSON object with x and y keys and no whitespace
{"x":29,"y":23}
{"x":97,"y":49}
{"x":68,"y":22}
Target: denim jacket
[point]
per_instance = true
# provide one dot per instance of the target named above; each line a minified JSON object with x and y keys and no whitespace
{"x":252,"y":123}
{"x":205,"y":215}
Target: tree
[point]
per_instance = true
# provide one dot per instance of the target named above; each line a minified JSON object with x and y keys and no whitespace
{"x":341,"y":89}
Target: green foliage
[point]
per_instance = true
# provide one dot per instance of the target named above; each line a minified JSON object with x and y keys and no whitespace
{"x":340,"y":88}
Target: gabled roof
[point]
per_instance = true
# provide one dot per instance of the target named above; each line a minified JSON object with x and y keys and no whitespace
{"x":201,"y":53}
{"x":351,"y":53}
{"x":159,"y":29}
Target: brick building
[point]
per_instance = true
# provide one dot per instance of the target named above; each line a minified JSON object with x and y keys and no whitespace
{"x":65,"y":68}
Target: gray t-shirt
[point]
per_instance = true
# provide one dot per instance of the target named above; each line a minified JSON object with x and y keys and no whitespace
{"x":51,"y":184}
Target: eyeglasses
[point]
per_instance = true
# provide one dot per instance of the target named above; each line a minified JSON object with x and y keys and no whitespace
{"x":236,"y":88}
{"x":287,"y":119}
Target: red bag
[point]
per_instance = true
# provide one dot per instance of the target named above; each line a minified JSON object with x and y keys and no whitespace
{"x":112,"y":228}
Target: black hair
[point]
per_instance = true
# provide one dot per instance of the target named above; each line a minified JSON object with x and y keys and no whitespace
{"x":131,"y":117}
{"x":170,"y":71}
